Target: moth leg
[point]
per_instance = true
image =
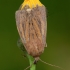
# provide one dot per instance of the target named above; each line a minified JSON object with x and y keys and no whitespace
{"x":20,"y":45}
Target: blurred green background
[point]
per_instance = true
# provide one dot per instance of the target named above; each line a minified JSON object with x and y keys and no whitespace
{"x":58,"y":36}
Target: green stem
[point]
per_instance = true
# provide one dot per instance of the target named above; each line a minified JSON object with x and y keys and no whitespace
{"x":31,"y":59}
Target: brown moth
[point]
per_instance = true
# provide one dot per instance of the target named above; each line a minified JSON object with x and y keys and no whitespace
{"x":32,"y":28}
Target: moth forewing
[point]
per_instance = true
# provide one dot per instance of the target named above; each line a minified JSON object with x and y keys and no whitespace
{"x":43,"y":20}
{"x":31,"y":26}
{"x":20,"y":22}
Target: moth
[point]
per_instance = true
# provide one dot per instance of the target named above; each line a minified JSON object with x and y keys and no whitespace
{"x":32,"y":28}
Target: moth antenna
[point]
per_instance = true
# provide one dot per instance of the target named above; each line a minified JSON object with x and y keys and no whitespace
{"x":51,"y":64}
{"x":29,"y":66}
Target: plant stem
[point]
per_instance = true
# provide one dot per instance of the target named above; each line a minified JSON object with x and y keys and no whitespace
{"x":31,"y":59}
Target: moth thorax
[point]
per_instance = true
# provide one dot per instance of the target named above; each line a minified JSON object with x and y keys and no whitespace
{"x":28,"y":10}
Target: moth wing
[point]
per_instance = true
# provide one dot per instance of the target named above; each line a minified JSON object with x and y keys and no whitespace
{"x":43,"y":24}
{"x":21,"y":23}
{"x":42,"y":20}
